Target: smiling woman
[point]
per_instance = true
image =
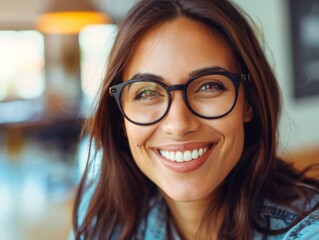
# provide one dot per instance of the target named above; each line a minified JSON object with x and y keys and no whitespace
{"x":186,"y":125}
{"x":179,"y":130}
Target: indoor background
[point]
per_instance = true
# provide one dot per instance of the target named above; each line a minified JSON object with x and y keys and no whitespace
{"x":47,"y":88}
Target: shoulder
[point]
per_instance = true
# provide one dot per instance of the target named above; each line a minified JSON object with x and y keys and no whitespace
{"x":275,"y":217}
{"x":154,"y":226}
{"x":306,"y":229}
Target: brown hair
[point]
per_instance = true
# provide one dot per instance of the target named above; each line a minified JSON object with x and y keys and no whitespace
{"x":121,"y":192}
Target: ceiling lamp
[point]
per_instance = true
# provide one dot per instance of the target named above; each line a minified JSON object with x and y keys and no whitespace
{"x":69,"y":17}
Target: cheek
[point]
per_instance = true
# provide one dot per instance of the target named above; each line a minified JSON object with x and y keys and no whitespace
{"x":234,"y":123}
{"x":232,"y":142}
{"x":234,"y":134}
{"x":237,"y":139}
{"x":130,"y":133}
{"x":231,"y":130}
{"x":235,"y":131}
{"x":137,"y":137}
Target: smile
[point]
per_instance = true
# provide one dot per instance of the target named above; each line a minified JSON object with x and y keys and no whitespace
{"x":183,"y":156}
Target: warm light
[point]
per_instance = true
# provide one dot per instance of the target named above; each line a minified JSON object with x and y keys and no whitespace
{"x":22,"y":63}
{"x":95,"y":42}
{"x":68,"y":22}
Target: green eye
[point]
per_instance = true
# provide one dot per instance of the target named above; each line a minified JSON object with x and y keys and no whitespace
{"x":146,"y":94}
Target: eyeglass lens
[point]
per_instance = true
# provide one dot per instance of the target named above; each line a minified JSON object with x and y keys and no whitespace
{"x":208,"y":96}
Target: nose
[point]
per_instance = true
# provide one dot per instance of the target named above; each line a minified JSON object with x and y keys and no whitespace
{"x":179,"y":121}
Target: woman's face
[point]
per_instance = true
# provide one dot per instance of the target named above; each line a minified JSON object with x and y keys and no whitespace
{"x":173,"y":51}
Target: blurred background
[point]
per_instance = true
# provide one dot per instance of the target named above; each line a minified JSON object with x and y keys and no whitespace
{"x":50,"y":73}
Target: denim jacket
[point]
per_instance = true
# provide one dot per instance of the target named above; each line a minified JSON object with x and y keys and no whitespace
{"x":154,"y":227}
{"x":275,"y":216}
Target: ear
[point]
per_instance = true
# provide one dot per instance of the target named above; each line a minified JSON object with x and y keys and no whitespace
{"x":248,"y":112}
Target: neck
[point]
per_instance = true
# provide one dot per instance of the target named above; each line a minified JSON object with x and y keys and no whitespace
{"x":188,"y":219}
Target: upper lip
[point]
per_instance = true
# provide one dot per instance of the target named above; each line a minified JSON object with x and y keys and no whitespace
{"x":184,"y":146}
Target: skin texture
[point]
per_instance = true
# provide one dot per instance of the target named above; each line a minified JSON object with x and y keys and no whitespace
{"x":172,"y":51}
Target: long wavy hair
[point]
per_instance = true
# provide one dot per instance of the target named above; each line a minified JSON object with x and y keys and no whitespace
{"x":121,"y":193}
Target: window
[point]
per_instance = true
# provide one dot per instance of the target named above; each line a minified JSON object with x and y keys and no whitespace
{"x":22,"y":65}
{"x":96,"y":42}
{"x":305,"y":47}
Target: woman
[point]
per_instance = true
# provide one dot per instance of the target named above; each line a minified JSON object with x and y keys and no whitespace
{"x":186,"y":127}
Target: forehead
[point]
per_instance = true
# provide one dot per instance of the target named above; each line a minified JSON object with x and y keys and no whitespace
{"x":176,"y":48}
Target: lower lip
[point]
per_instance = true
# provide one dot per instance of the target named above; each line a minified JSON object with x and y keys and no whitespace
{"x":184,"y":167}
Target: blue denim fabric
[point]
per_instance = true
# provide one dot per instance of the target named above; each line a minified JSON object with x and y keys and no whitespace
{"x":154,"y":227}
{"x":277,"y":216}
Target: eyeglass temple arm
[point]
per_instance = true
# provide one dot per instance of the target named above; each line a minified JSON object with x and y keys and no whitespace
{"x":246,"y":77}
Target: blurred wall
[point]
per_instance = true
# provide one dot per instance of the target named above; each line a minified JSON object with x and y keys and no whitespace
{"x":300,"y":118}
{"x":22,"y":13}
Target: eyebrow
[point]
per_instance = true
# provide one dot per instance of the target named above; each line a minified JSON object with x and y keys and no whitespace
{"x":197,"y":72}
{"x":206,"y":70}
{"x":149,"y":76}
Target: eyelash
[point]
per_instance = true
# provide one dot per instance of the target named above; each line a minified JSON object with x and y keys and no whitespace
{"x":213,"y":85}
{"x":145,"y":92}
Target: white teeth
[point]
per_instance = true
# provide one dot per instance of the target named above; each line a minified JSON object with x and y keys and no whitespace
{"x":170,"y":156}
{"x":179,"y":157}
{"x":195,"y":154}
{"x":188,"y":156}
{"x":200,"y":152}
{"x":183,"y":156}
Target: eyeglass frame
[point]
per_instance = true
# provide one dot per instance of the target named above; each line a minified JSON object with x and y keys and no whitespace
{"x":236,"y":78}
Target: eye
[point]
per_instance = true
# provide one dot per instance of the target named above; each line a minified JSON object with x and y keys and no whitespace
{"x":147,"y":94}
{"x":212,"y":86}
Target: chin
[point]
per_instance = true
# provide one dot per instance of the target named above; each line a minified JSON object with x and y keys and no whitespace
{"x":186,"y":196}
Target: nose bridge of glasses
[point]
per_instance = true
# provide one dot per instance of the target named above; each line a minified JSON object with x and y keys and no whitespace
{"x":176,"y":87}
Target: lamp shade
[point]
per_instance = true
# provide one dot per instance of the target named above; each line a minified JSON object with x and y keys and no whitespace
{"x":69,"y":16}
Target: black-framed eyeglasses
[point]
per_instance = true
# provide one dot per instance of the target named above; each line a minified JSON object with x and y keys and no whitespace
{"x":209,"y":95}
